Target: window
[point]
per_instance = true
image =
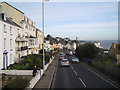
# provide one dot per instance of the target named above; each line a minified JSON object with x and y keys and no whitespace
{"x":26,"y":27}
{"x":10,"y":43}
{"x":10,"y":58}
{"x":27,"y":20}
{"x":18,"y":30}
{"x":4,"y":27}
{"x":31,"y":42}
{"x":36,"y":42}
{"x":19,"y":56}
{"x":4,"y":43}
{"x":10,"y":30}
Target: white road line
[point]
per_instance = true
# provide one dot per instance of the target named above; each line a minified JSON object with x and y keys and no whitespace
{"x":71,"y":67}
{"x":82,"y":82}
{"x":103,"y":78}
{"x":75,"y":72}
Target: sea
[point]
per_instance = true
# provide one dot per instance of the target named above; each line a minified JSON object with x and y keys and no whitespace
{"x":106,"y":44}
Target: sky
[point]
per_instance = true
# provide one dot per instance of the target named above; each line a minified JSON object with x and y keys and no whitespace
{"x":85,"y":20}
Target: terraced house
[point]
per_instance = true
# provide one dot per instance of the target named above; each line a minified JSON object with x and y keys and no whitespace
{"x":18,"y":35}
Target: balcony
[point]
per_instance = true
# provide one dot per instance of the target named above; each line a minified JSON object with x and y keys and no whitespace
{"x":22,"y":48}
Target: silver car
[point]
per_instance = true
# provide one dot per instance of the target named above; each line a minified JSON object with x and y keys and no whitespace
{"x":75,"y":60}
{"x":65,"y":62}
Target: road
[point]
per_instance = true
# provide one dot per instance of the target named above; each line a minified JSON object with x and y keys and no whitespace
{"x":79,"y":76}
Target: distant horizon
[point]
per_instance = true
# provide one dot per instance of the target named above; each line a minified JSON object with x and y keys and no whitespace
{"x":100,"y":40}
{"x":84,"y":39}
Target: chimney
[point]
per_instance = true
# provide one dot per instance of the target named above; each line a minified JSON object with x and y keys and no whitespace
{"x":10,"y":19}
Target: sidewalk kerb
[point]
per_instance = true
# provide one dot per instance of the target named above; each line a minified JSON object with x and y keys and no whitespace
{"x":51,"y":78}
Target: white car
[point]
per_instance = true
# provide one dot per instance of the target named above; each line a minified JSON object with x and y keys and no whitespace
{"x":75,"y":60}
{"x":65,"y":62}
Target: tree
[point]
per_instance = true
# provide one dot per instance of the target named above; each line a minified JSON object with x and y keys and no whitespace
{"x":41,"y":51}
{"x":88,"y":50}
{"x":49,"y":37}
{"x":119,"y":47}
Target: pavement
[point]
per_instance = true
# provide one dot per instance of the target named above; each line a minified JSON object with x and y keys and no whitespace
{"x":80,"y":76}
{"x":46,"y":80}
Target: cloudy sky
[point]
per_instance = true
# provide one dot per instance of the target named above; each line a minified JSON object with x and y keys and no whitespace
{"x":85,"y":20}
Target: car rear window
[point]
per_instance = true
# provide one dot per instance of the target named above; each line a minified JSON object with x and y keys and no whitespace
{"x":64,"y":60}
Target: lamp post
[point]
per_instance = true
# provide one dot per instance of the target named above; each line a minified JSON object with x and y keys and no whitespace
{"x":43,"y":35}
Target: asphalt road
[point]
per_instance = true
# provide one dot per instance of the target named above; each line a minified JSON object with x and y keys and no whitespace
{"x":79,"y":76}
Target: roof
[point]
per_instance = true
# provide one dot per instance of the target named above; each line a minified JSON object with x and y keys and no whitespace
{"x":38,"y":29}
{"x":32,"y":36}
{"x":9,"y":21}
{"x":13,"y":7}
{"x":20,"y":39}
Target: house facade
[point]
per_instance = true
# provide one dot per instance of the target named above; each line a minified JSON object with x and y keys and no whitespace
{"x":18,"y":35}
{"x":115,"y":51}
{"x":7,"y":46}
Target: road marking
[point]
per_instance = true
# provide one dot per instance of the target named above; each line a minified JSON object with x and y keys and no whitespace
{"x":82,"y":82}
{"x":104,"y":79}
{"x":71,"y":67}
{"x":75,"y":72}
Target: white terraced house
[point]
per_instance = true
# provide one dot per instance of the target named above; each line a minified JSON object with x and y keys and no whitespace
{"x":7,"y":44}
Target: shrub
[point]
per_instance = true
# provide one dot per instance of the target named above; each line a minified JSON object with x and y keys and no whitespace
{"x":88,"y":50}
{"x":18,"y":67}
{"x":29,"y":61}
{"x":47,"y":57}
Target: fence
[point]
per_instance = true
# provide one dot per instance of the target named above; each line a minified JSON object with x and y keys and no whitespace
{"x":111,"y":70}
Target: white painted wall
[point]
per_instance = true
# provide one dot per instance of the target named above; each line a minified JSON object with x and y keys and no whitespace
{"x":8,"y":36}
{"x":1,"y":55}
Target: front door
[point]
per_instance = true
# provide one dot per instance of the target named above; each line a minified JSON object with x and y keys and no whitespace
{"x":5,"y":61}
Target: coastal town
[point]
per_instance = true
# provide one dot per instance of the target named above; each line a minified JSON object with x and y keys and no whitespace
{"x":22,"y":44}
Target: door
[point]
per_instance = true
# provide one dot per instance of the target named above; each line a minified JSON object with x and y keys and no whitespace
{"x":5,"y":61}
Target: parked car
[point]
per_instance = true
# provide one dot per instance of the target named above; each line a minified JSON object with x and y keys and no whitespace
{"x":65,"y":62}
{"x":75,"y":60}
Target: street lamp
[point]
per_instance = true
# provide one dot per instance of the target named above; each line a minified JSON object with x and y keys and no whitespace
{"x":43,"y":34}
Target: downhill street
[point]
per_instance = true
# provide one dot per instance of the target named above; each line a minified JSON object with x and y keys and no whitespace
{"x":79,"y":76}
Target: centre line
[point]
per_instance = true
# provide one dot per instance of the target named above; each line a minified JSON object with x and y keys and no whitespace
{"x":71,"y":67}
{"x":75,"y":72}
{"x":82,"y":82}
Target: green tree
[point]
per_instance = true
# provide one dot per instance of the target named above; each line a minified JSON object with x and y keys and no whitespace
{"x":88,"y":50}
{"x":118,"y":47}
